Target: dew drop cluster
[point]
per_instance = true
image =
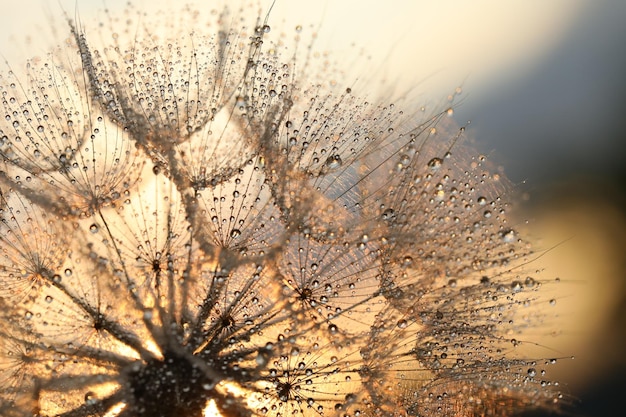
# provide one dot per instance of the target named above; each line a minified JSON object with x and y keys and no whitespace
{"x":194,"y":221}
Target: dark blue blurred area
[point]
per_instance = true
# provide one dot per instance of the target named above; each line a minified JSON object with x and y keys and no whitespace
{"x":562,"y":127}
{"x":565,"y":118}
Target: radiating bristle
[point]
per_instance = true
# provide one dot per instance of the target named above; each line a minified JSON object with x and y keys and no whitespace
{"x":193,"y":221}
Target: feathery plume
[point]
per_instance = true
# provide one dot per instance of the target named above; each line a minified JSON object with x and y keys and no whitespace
{"x":192,"y":223}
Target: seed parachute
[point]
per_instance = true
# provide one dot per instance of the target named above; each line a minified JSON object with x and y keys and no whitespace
{"x":193,"y":219}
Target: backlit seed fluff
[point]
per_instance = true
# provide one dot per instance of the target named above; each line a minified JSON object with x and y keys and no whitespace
{"x":194,"y":222}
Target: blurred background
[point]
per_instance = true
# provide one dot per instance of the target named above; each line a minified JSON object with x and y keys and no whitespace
{"x":543,"y":85}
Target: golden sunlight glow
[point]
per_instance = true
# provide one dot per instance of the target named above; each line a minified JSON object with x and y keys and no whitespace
{"x":211,"y":410}
{"x":233,"y":390}
{"x":115,"y":411}
{"x":152,"y":347}
{"x":595,"y":251}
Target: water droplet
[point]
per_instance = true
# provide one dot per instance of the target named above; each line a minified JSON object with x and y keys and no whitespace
{"x":402,"y":324}
{"x":261,"y":359}
{"x":388,"y":214}
{"x":508,"y":236}
{"x":435,"y":163}
{"x":90,"y":398}
{"x":333,"y":162}
{"x":93,"y":228}
{"x":235,"y":233}
{"x":516,"y":286}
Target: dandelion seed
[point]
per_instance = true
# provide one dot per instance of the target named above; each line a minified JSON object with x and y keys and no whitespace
{"x":190,"y":225}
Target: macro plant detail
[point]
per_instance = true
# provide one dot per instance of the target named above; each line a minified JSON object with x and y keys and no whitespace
{"x":193,"y":223}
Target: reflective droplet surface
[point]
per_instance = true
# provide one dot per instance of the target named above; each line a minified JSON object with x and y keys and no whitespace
{"x":333,"y":162}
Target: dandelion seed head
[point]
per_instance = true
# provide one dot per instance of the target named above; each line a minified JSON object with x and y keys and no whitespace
{"x":193,"y":224}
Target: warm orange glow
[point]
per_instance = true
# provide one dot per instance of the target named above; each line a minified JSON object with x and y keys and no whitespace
{"x":115,"y":411}
{"x":590,"y":266}
{"x":211,"y":410}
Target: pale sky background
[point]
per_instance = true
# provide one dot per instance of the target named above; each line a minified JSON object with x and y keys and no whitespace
{"x":533,"y":72}
{"x":443,"y":43}
{"x":543,"y":82}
